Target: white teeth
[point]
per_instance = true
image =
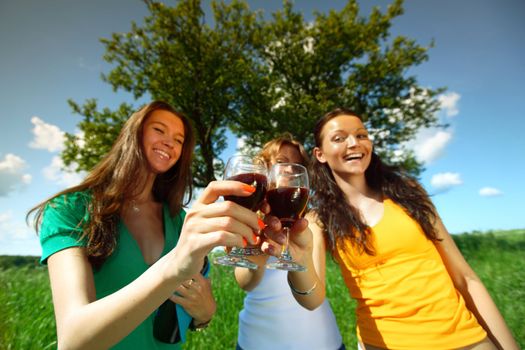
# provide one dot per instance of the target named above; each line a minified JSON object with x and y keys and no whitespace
{"x":162,"y":153}
{"x":354,"y":156}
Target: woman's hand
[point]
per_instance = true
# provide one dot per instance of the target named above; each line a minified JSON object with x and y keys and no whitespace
{"x":301,"y":247}
{"x":300,"y":242}
{"x":209,"y":224}
{"x":196,"y":297}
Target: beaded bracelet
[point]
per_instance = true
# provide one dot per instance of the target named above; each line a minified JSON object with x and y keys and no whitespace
{"x":298,"y":292}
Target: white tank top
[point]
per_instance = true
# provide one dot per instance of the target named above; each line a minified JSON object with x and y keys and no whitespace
{"x":273,"y":319}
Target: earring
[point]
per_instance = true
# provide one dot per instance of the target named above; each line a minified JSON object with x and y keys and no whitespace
{"x":134,"y":206}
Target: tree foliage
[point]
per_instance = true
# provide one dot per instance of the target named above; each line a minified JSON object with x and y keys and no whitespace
{"x":340,"y":59}
{"x":262,"y":76}
{"x":98,"y":132}
{"x":177,"y":57}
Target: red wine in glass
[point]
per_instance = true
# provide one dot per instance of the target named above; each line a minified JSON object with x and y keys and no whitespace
{"x":288,"y":203}
{"x":287,"y":196}
{"x":254,"y":201}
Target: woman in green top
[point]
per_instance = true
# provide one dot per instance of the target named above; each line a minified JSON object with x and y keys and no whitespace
{"x":112,"y":243}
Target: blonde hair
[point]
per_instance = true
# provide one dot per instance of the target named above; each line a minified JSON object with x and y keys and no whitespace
{"x":271,"y":149}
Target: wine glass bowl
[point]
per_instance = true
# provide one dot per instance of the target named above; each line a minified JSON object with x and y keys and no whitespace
{"x":287,"y":195}
{"x":254,"y":200}
{"x":251,"y":171}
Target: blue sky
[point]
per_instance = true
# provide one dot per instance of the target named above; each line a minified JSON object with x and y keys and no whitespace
{"x":50,"y":52}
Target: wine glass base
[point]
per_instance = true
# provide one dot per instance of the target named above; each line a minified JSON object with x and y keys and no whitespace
{"x":286,"y":265}
{"x":247,"y":252}
{"x":237,"y":261}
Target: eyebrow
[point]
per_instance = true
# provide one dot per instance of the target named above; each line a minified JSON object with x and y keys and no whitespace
{"x":342,"y":130}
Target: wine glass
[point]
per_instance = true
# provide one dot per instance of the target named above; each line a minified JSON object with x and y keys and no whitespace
{"x":287,"y":196}
{"x":251,"y":171}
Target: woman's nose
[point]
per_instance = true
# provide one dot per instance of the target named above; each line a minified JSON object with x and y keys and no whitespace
{"x":351,"y":141}
{"x":169,"y":142}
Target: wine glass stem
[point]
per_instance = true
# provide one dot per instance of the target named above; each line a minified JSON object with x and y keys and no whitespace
{"x":285,"y":253}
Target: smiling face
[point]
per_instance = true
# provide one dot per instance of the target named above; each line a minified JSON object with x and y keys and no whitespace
{"x":162,"y":140}
{"x":345,"y":146}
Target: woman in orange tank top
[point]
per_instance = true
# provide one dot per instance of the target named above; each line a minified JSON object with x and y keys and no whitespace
{"x":414,"y":289}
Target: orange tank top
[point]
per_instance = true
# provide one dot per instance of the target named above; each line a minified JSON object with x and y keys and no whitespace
{"x":405,"y":296}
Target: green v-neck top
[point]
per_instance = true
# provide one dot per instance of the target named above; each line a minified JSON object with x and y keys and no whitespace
{"x":61,"y":229}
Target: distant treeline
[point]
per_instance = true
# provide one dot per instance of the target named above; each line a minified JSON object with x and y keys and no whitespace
{"x":508,"y":240}
{"x":7,"y":261}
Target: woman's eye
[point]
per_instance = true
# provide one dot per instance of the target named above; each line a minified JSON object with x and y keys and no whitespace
{"x":362,"y":136}
{"x":179,"y":141}
{"x":159,"y":130}
{"x":338,"y":139}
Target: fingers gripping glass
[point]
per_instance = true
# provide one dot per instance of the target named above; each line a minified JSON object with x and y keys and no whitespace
{"x":287,"y":195}
{"x":251,"y":171}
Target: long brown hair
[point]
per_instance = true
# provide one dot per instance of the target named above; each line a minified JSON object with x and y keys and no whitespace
{"x":340,"y":220}
{"x":117,"y":178}
{"x":272,"y":147}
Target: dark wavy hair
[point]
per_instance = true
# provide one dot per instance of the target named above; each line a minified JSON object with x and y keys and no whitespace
{"x":117,"y":178}
{"x":340,"y":220}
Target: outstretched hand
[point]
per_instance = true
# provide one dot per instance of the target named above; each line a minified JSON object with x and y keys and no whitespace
{"x":300,"y":239}
{"x":209,"y":224}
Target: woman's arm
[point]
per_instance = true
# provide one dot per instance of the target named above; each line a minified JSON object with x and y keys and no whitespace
{"x":248,"y":279}
{"x":310,"y":242}
{"x":473,"y":291}
{"x":84,"y":322}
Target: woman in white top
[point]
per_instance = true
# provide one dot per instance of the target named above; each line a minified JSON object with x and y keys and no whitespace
{"x":271,"y":317}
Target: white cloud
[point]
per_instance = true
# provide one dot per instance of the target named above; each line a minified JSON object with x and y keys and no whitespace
{"x":445,"y":181}
{"x":429,"y":144}
{"x":449,"y":103}
{"x":489,"y":192}
{"x":60,"y":174}
{"x":11,"y":174}
{"x":13,"y":230}
{"x":17,"y":238}
{"x":46,"y":136}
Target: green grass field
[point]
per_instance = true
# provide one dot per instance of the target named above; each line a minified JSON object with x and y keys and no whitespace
{"x":27,"y":322}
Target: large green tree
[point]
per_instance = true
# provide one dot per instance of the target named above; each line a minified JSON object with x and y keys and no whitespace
{"x":177,"y":57}
{"x":262,"y":76}
{"x":340,"y":59}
